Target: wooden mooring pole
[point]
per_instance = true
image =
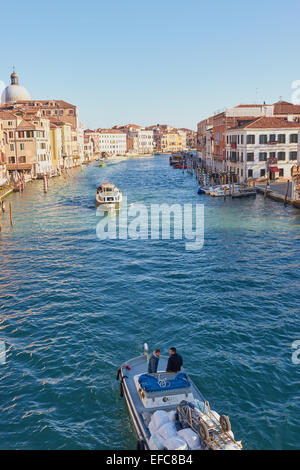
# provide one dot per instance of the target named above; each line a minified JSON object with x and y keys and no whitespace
{"x":10,"y":214}
{"x":287,"y":191}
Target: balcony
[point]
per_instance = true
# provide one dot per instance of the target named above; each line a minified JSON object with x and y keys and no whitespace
{"x":272,"y":142}
{"x":18,"y":166}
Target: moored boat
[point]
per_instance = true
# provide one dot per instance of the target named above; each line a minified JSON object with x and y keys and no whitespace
{"x":108,"y":194}
{"x":169,"y":412}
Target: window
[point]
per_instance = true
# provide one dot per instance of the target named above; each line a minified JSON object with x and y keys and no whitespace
{"x":9,"y":123}
{"x":272,"y":138}
{"x":263,"y":156}
{"x":242,"y":139}
{"x":281,"y":172}
{"x":263,"y":139}
{"x":272,"y":154}
{"x":29,"y":134}
{"x":22,"y":146}
{"x":251,"y":139}
{"x":242,"y":156}
{"x":293,"y":155}
{"x":250,"y":173}
{"x":281,"y":138}
{"x":21,"y":134}
{"x":22,"y":159}
{"x":293,"y":138}
{"x":11,"y":147}
{"x":250,"y":157}
{"x":281,"y":156}
{"x":11,"y":135}
{"x":12,"y":160}
{"x":242,"y":172}
{"x":262,"y":172}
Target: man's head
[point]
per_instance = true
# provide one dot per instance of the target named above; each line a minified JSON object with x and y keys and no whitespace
{"x":157,"y":352}
{"x":172,"y":351}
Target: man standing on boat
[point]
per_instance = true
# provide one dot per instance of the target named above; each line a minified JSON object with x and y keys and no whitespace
{"x":175,"y":361}
{"x":153,"y":362}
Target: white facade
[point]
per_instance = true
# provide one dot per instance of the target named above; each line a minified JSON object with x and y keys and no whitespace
{"x":43,"y":149}
{"x":142,"y":140}
{"x":184,"y":138}
{"x":113,"y":143}
{"x":259,"y":153}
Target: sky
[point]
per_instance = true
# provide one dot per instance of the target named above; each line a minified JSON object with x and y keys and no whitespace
{"x":167,"y":62}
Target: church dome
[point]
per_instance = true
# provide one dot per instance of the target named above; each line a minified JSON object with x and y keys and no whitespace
{"x":14,"y":92}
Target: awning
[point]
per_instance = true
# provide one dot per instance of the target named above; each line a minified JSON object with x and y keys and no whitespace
{"x":274,"y":169}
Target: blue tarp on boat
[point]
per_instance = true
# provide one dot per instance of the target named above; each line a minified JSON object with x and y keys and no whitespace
{"x":152,"y":383}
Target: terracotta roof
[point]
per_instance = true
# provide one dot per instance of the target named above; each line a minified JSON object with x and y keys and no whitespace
{"x":27,"y":124}
{"x":56,"y":120}
{"x":251,"y":105}
{"x":7,"y":115}
{"x":283,"y":107}
{"x":109,"y":131}
{"x":268,"y":123}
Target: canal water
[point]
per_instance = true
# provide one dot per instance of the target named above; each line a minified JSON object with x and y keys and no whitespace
{"x":73,"y":308}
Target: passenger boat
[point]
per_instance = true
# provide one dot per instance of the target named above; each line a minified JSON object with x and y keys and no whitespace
{"x":108,"y":194}
{"x":165,"y":407}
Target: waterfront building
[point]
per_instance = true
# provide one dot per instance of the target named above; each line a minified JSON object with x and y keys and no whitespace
{"x":64,"y":140}
{"x":211,"y":132}
{"x":3,"y":171}
{"x":140,"y":140}
{"x":56,"y":147}
{"x":169,"y":141}
{"x":88,"y":148}
{"x":266,"y":147}
{"x":112,"y":141}
{"x":189,"y":138}
{"x":27,"y":145}
{"x":94,"y":138}
{"x":183,"y":134}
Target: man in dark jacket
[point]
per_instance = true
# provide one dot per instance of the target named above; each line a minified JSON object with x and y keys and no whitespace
{"x":153,"y":362}
{"x":175,"y":361}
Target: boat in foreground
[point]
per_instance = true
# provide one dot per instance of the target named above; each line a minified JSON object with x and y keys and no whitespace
{"x":108,"y":194}
{"x":169,"y":412}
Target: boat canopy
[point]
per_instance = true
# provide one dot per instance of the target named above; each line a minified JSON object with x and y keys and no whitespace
{"x":107,"y":187}
{"x":157,"y":383}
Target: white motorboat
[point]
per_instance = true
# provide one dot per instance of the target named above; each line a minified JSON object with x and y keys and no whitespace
{"x":108,"y":194}
{"x":219,"y":191}
{"x":169,"y":412}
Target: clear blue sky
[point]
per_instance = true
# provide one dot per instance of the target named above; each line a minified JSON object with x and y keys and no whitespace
{"x":152,"y":62}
